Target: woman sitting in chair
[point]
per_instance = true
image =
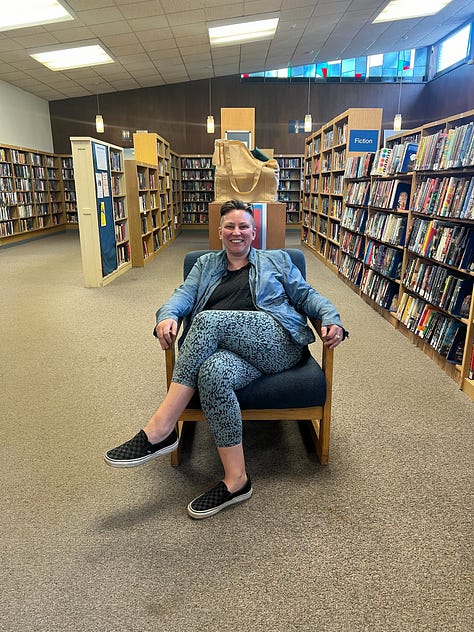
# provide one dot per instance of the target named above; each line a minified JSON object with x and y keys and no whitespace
{"x":246,"y":317}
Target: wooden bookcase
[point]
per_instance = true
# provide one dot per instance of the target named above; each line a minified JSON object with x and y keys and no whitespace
{"x":326,"y":152}
{"x":412,"y":260}
{"x":197,"y":189}
{"x":153,"y":150}
{"x":290,"y":186}
{"x":69,"y":191}
{"x":147,"y":212}
{"x":102,"y":210}
{"x":176,"y":190}
{"x":30,"y":194}
{"x":435,"y":306}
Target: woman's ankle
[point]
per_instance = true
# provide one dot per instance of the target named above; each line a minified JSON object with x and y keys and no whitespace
{"x":157,"y":431}
{"x":235,"y":483}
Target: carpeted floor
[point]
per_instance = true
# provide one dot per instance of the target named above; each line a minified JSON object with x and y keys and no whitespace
{"x":380,"y":540}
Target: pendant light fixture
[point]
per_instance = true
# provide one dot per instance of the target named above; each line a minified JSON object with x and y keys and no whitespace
{"x":99,"y":121}
{"x":397,"y":121}
{"x":308,"y":120}
{"x":210,"y":118}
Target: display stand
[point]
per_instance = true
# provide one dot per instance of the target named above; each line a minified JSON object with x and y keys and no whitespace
{"x":270,"y":220}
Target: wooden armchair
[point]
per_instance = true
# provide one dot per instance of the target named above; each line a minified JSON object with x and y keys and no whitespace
{"x":301,"y":393}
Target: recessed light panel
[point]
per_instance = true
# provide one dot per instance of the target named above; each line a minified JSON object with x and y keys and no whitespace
{"x":406,"y":9}
{"x":77,"y":57}
{"x":243,"y":32}
{"x":19,"y":14}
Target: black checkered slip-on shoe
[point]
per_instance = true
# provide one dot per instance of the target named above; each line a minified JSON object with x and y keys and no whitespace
{"x":139,"y":450}
{"x":217,"y":498}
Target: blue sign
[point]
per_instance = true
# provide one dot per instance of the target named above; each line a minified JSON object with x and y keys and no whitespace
{"x":366,"y":140}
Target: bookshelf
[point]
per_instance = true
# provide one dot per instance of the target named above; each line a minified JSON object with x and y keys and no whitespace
{"x":326,"y":153}
{"x":30,"y":194}
{"x":290,"y":186}
{"x":153,"y":150}
{"x":176,"y":190}
{"x":69,"y":191}
{"x":197,"y":189}
{"x":147,"y":213}
{"x":102,"y":210}
{"x":407,"y":238}
{"x":435,"y":307}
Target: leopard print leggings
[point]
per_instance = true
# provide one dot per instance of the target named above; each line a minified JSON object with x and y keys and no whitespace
{"x":223,"y":352}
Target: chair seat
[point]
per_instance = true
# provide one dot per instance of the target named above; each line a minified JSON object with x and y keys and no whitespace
{"x":302,"y":386}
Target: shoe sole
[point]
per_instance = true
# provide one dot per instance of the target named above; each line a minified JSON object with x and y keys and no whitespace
{"x":142,"y":459}
{"x":199,"y":515}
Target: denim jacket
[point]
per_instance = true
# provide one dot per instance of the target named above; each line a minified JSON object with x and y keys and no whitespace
{"x":276,"y":284}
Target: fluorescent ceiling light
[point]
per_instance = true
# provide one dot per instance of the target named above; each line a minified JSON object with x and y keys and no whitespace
{"x":77,"y":57}
{"x":243,"y":32}
{"x":22,"y":13}
{"x":405,"y":9}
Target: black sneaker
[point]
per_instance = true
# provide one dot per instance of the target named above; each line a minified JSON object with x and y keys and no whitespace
{"x":218,"y":498}
{"x":139,"y":450}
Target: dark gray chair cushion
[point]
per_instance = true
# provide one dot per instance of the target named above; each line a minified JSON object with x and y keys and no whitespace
{"x":302,"y":386}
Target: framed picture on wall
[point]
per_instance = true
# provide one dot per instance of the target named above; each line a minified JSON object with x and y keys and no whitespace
{"x":242,"y":135}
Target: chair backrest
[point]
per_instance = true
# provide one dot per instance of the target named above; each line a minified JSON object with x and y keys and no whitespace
{"x":190,"y":259}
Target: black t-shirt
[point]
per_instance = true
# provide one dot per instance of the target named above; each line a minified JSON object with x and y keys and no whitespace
{"x":233,"y":292}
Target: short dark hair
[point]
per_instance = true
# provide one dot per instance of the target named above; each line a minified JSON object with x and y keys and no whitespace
{"x":236,"y":205}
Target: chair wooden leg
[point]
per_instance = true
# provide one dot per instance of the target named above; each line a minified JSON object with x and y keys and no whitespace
{"x":320,"y":436}
{"x":176,"y":454}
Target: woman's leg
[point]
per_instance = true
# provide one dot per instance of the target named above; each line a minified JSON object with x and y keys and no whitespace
{"x":167,"y":414}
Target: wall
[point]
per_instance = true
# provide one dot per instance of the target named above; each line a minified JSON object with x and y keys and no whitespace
{"x":178,"y":112}
{"x":24,"y":119}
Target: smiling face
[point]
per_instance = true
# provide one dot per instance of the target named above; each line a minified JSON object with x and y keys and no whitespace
{"x":237,"y":231}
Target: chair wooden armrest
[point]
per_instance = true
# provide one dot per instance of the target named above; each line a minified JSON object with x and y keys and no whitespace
{"x":170,"y":356}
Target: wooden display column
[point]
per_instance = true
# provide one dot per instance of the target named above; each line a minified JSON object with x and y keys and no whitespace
{"x":275,"y":225}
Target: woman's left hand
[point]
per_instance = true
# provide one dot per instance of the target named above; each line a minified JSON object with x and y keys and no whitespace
{"x":332,"y":335}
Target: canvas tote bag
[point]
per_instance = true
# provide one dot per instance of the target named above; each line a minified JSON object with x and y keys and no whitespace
{"x":239,"y":175}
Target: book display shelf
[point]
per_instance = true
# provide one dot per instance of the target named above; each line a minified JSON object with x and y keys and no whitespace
{"x":176,"y":190}
{"x":69,"y":191}
{"x":151,"y":150}
{"x":102,"y":210}
{"x":197,"y":189}
{"x":31,"y":188}
{"x":290,"y":186}
{"x":435,"y":307}
{"x":407,"y":238}
{"x":326,"y":154}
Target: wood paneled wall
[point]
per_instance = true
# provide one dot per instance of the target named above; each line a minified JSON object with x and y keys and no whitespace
{"x":178,"y":111}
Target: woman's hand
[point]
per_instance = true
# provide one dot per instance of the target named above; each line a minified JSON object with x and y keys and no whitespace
{"x":332,"y":335}
{"x":165,"y":332}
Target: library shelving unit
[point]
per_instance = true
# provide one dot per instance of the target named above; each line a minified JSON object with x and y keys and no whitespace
{"x":102,"y":210}
{"x":197,"y":189}
{"x":144,"y":211}
{"x":326,"y":153}
{"x":435,"y":308}
{"x":30,"y":194}
{"x":69,"y":191}
{"x":176,"y":190}
{"x":290,"y":186}
{"x":153,"y":150}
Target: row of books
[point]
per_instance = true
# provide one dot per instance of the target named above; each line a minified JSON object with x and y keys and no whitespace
{"x":353,"y":243}
{"x":380,"y":289}
{"x":448,"y":243}
{"x":358,"y":166}
{"x":439,"y":286}
{"x":354,"y":219}
{"x":358,"y":193}
{"x":390,"y":194}
{"x":448,"y":197}
{"x":383,"y":259}
{"x":397,"y":159}
{"x":387,"y":227}
{"x":440,"y":331}
{"x":351,"y":268}
{"x":447,"y":150}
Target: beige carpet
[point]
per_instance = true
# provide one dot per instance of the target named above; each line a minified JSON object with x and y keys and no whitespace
{"x":380,"y":540}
